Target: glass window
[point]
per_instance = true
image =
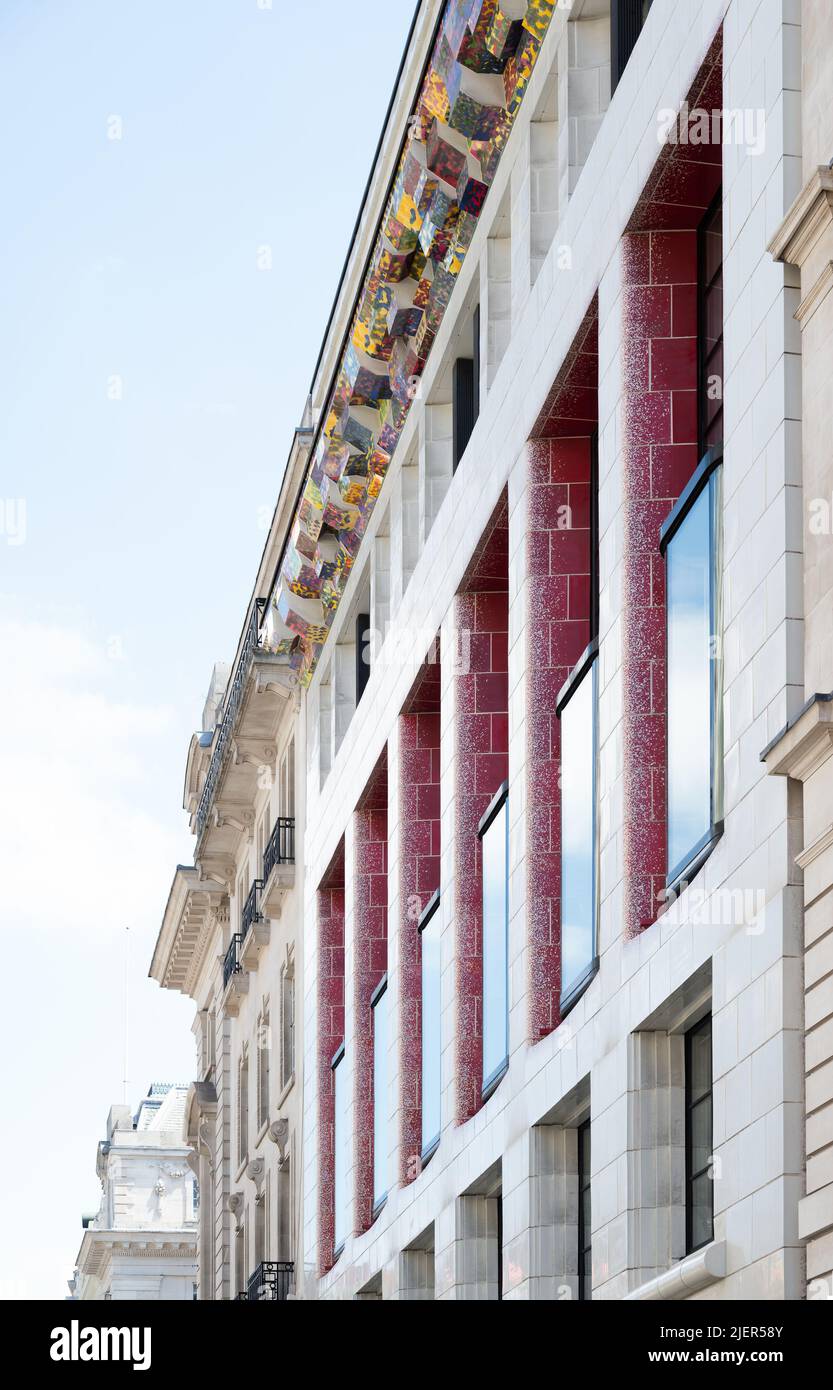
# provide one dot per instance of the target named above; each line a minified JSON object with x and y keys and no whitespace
{"x":287,"y":1027}
{"x":626,"y":20}
{"x":431,"y":1026}
{"x":585,"y":1244}
{"x":699,"y":1189}
{"x":264,"y":1043}
{"x":495,"y":847}
{"x":380,"y":1094}
{"x":341,"y":1120}
{"x":243,"y":1108}
{"x":695,"y":760}
{"x":578,"y":833}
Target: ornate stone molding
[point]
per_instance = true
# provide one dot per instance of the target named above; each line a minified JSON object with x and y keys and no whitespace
{"x":279,"y":1134}
{"x":190,"y":919}
{"x":805,"y":743}
{"x":253,"y":751}
{"x":816,"y":295}
{"x":235,"y":1206}
{"x":811,"y":212}
{"x":256,"y":1173}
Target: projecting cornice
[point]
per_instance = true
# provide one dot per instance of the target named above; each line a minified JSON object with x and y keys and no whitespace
{"x":805,"y":743}
{"x":453,"y":138}
{"x":98,"y":1248}
{"x":807,"y":219}
{"x":192,"y":918}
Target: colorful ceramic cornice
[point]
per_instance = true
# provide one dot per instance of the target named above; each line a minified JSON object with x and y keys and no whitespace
{"x":480,"y":67}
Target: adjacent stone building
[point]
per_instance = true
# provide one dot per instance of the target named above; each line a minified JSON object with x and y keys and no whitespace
{"x":230,"y":940}
{"x":143,"y":1242}
{"x":803,"y":751}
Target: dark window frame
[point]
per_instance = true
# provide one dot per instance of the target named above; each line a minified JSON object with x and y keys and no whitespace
{"x":362,"y":654}
{"x":704,"y":287}
{"x":465,"y":395}
{"x":627,"y":18}
{"x":679,"y":875}
{"x":584,"y":1237}
{"x":690,"y":1106}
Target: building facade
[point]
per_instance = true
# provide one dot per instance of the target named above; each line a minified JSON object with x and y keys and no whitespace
{"x":802,"y":751}
{"x":142,"y":1244}
{"x":540,"y":612}
{"x":230,"y":940}
{"x":565,"y":1061}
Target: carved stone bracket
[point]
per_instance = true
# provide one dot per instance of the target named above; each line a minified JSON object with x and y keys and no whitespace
{"x":256,"y":1172}
{"x":279,"y":1134}
{"x":235,"y":1206}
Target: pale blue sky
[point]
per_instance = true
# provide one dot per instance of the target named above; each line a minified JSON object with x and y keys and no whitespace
{"x":127,"y":571}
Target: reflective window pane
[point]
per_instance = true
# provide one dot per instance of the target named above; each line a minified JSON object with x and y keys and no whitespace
{"x":431,"y":1032}
{"x":701,"y":1211}
{"x":699,"y":1134}
{"x":578,"y":832}
{"x":341,"y":1120}
{"x":380,"y":1098}
{"x":688,"y":571}
{"x":495,"y":846}
{"x":585,"y":1243}
{"x":700,"y":1052}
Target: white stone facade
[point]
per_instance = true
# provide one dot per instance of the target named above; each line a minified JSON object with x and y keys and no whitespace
{"x":505,"y":1206}
{"x":142,"y":1245}
{"x":649,"y":987}
{"x":230,"y":941}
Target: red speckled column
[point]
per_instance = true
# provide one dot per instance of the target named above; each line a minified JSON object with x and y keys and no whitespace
{"x":558,"y":567}
{"x":482,"y":755}
{"x":330,"y":1036}
{"x":370,"y":960}
{"x":419,"y":878}
{"x":659,"y":325}
{"x":558,"y":609}
{"x":660,"y":452}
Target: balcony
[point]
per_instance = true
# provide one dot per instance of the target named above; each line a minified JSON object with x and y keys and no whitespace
{"x":235,"y":978}
{"x":243,"y":743}
{"x":278,"y":865}
{"x":254,"y":928}
{"x":272,"y":1279}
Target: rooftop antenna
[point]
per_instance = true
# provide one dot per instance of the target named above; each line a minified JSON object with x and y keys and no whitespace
{"x":126,"y":1010}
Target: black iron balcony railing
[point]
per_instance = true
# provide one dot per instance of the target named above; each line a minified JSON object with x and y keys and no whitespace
{"x":281,"y":846}
{"x":251,"y":911}
{"x":231,"y":708}
{"x":231,"y":961}
{"x":271,"y":1280}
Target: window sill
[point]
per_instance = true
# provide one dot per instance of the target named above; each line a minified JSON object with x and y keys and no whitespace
{"x":697,"y":1271}
{"x":261,"y":1133}
{"x":683,"y":875}
{"x":285,"y":1092}
{"x":428,"y":1152}
{"x":492,"y":1082}
{"x":241,"y":1169}
{"x":569,"y":1000}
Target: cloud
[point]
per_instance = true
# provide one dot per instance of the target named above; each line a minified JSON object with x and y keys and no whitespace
{"x":78,"y":848}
